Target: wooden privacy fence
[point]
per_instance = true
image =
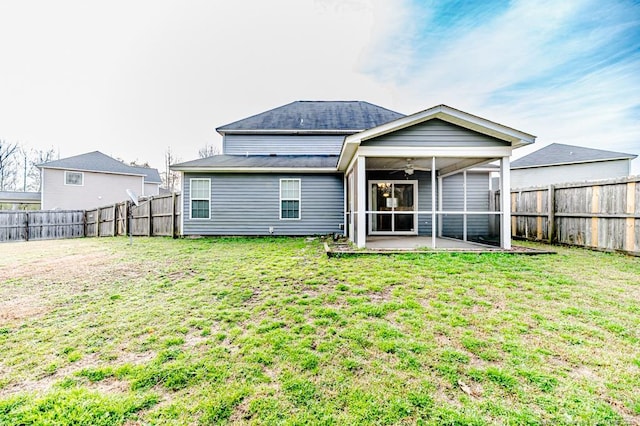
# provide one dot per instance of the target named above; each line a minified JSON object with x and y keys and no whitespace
{"x":155,"y":216}
{"x":602,"y":215}
{"x":41,"y":224}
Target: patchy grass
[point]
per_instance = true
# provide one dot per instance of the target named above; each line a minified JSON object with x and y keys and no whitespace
{"x":271,"y":331}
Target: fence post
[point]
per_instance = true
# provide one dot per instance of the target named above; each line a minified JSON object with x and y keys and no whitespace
{"x":150,"y":230}
{"x":115,"y":219}
{"x":173,"y":215}
{"x":551,"y":214}
{"x":26,"y":226}
{"x":629,"y":242}
{"x":126,"y":218}
{"x":595,"y":209}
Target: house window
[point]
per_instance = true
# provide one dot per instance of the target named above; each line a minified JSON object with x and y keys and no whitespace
{"x":200,"y":198}
{"x":73,"y":178}
{"x":289,"y":198}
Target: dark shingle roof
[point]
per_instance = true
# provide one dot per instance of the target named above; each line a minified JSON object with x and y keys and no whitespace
{"x":150,"y":175}
{"x":558,"y":153}
{"x":98,"y":162}
{"x":261,"y":161}
{"x":318,"y":116}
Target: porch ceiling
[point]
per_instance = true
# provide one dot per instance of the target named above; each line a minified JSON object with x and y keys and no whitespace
{"x":399,"y":163}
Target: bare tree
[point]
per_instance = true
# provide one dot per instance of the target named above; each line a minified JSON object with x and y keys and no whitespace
{"x":38,"y":156}
{"x":136,"y":163}
{"x":209,"y":150}
{"x":170,"y":178}
{"x":7,"y":166}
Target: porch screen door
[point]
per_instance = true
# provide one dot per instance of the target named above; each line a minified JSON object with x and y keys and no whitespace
{"x":393,"y":205}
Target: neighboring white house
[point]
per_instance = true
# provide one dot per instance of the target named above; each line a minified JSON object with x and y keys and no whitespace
{"x":559,"y":163}
{"x":92,"y":180}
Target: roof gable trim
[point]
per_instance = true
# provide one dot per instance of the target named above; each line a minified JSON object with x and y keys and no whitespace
{"x":77,"y":169}
{"x":443,"y":112}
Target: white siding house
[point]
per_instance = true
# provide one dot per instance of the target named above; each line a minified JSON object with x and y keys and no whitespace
{"x":92,"y":180}
{"x":560,"y":163}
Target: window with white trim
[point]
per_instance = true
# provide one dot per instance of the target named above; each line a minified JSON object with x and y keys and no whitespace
{"x":289,"y":198}
{"x":200,"y":198}
{"x":73,"y":178}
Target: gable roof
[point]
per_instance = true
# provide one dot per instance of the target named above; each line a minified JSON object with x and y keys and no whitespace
{"x":261,"y":163}
{"x":342,"y":117}
{"x":98,"y":162}
{"x":442,"y":112}
{"x":151,"y":175}
{"x":557,"y":154}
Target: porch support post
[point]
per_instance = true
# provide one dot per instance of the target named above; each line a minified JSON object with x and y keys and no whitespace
{"x":361,"y":191}
{"x":345,"y":223}
{"x":440,"y":204}
{"x":505,"y":203}
{"x":464,"y":206}
{"x":433,"y":203}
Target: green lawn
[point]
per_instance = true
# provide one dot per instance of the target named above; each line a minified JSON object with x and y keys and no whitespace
{"x":271,"y":331}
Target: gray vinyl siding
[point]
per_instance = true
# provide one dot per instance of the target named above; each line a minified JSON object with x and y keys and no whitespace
{"x":543,"y":176}
{"x":282,"y":144}
{"x":436,"y":133}
{"x":477,"y":200}
{"x":248,"y":204}
{"x":424,"y":201}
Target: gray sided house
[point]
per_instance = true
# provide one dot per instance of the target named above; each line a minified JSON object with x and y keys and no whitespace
{"x":353,"y":168}
{"x":93,"y":180}
{"x":559,"y":163}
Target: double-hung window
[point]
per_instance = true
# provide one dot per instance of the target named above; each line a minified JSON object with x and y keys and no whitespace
{"x":200,"y":198}
{"x":289,"y":198}
{"x":73,"y":178}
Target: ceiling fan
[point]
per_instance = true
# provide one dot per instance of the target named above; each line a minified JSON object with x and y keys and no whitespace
{"x":409,"y":168}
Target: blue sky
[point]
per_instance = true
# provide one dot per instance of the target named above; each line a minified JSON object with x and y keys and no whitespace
{"x":133,"y":78}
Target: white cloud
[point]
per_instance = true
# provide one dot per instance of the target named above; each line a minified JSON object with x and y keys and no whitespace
{"x":547,"y":68}
{"x":132,"y":78}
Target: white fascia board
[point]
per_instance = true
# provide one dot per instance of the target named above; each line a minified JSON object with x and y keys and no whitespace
{"x":347,"y":154}
{"x":454,"y":151}
{"x":482,"y":125}
{"x":74,"y":169}
{"x":351,"y":164}
{"x":256,"y":170}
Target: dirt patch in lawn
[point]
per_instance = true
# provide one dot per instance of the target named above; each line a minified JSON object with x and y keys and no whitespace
{"x":60,"y":268}
{"x":21,"y":307}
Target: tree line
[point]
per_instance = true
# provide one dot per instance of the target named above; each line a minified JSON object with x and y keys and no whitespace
{"x":18,"y":166}
{"x":19,"y":171}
